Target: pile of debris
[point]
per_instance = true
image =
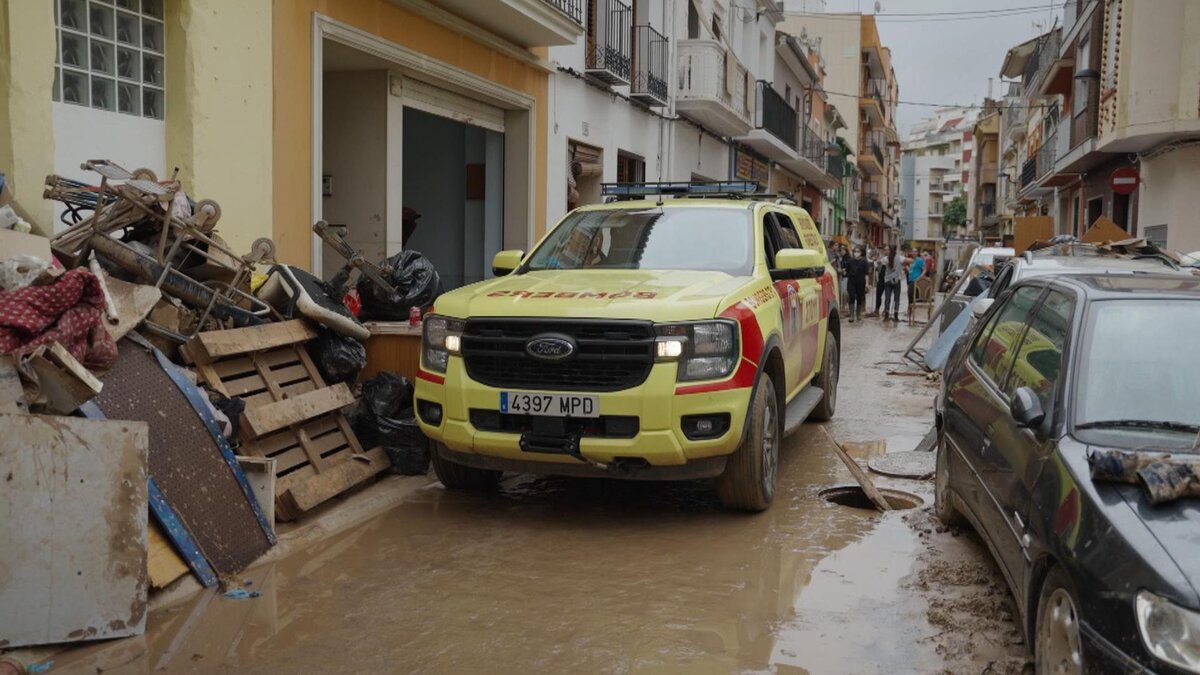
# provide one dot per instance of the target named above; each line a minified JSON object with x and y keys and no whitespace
{"x":165,"y":400}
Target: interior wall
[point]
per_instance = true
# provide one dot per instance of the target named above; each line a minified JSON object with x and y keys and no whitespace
{"x":355,"y":156}
{"x":435,"y":186}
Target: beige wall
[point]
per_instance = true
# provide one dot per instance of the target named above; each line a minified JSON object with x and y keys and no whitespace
{"x":1168,"y":196}
{"x":840,"y":46}
{"x":27,"y":47}
{"x":219,"y":110}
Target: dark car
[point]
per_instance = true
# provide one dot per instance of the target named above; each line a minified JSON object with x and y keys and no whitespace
{"x":1058,"y":370}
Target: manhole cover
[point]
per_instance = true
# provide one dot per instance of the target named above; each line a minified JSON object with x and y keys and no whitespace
{"x":915,"y":464}
{"x":854,"y":497}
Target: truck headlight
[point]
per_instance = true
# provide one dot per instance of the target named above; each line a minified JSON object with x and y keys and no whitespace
{"x":1170,"y":632}
{"x":442,"y":337}
{"x":706,"y":350}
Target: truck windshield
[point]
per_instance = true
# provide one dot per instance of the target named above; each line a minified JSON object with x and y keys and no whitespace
{"x":700,"y":238}
{"x":1141,"y":374}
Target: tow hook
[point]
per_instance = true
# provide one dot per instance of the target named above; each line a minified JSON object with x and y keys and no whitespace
{"x":557,"y":445}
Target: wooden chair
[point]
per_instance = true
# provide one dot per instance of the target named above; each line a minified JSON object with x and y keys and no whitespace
{"x":922,"y":299}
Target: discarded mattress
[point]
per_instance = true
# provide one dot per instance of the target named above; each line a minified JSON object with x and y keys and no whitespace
{"x":293,"y":291}
{"x":69,"y":311}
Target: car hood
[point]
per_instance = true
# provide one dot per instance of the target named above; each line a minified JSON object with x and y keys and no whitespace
{"x":673,"y":295}
{"x":1174,"y":525}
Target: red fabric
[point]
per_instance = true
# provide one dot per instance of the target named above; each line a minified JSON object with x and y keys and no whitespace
{"x":69,"y":311}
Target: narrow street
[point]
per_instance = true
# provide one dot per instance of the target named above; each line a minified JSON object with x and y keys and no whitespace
{"x":557,"y":575}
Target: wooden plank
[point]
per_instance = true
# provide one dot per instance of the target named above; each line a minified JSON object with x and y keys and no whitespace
{"x":290,"y":391}
{"x":307,"y":494}
{"x":273,"y":387}
{"x":398,"y":352}
{"x":212,"y":345}
{"x":859,"y":475}
{"x":163,"y":564}
{"x":247,"y":384}
{"x":228,"y":369}
{"x":273,"y":443}
{"x":290,"y":374}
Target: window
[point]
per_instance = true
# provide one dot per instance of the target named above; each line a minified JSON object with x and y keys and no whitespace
{"x":630,"y":169}
{"x":693,"y":26}
{"x":1039,"y":360}
{"x":995,"y":348}
{"x":111,"y":55}
{"x":1083,"y":56}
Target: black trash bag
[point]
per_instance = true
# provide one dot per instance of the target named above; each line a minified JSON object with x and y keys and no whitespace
{"x":231,"y":407}
{"x":338,"y":358}
{"x":384,"y":418}
{"x":388,"y":395}
{"x":417,"y":285}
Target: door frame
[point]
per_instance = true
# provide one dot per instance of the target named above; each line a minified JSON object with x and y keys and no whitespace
{"x":520,"y":137}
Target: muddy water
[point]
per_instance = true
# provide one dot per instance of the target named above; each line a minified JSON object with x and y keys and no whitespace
{"x":589,"y":576}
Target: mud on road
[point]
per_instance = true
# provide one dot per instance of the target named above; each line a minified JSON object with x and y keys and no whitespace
{"x":606,"y":576}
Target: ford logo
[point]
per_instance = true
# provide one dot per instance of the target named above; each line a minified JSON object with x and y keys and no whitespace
{"x":550,"y":347}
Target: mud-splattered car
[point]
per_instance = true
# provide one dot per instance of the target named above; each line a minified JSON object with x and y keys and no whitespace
{"x":1061,"y":371}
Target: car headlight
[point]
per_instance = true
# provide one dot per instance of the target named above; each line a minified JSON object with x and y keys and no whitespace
{"x":442,"y":337}
{"x":1170,"y":632}
{"x":705,"y":350}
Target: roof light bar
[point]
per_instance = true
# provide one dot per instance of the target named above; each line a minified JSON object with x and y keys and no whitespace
{"x":708,"y":188}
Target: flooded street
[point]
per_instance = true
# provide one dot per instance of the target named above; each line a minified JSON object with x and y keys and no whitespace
{"x":605,"y":576}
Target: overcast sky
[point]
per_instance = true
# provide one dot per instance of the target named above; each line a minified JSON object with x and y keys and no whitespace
{"x":949,"y":61}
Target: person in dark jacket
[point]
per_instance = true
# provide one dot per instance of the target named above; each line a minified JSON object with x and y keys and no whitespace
{"x":856,"y":274}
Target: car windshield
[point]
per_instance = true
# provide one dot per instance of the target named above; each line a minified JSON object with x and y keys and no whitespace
{"x":700,"y":238}
{"x":1141,"y":373}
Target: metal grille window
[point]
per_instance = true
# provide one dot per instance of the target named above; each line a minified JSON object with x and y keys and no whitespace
{"x":630,"y":169}
{"x":111,"y":55}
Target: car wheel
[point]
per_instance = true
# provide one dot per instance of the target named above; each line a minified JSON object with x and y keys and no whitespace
{"x":942,"y":506}
{"x":748,"y":482}
{"x":827,"y":380}
{"x":460,"y":477}
{"x":1059,"y":644}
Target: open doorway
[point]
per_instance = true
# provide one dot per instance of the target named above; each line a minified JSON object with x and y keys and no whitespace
{"x":418,"y":154}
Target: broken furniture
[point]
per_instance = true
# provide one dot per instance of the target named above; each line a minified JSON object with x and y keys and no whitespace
{"x":197,"y":488}
{"x":295,"y":293}
{"x":73,"y":527}
{"x":154,"y":234}
{"x":291,"y":415}
{"x":922,"y":299}
{"x":356,"y":265}
{"x":394,"y":346}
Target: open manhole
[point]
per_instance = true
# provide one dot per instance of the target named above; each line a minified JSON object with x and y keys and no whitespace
{"x":854,"y":497}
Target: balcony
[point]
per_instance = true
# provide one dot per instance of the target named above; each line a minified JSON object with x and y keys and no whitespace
{"x":774,"y":132}
{"x":872,"y":100}
{"x":939,"y":186}
{"x":1045,"y":54}
{"x":1017,"y":122}
{"x":527,"y":23}
{"x":870,"y":157}
{"x":987,"y":213}
{"x":870,"y":208}
{"x":650,"y":52}
{"x":712,"y":87}
{"x":608,"y":57}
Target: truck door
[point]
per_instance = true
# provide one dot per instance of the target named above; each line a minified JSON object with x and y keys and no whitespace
{"x":800,"y":307}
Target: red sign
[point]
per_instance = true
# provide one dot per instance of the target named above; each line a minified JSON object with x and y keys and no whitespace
{"x":1124,"y":180}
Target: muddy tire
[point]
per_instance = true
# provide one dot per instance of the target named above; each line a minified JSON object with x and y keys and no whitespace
{"x":1058,"y":641}
{"x":943,"y":506}
{"x":459,"y":477}
{"x":827,"y":380}
{"x":748,"y":482}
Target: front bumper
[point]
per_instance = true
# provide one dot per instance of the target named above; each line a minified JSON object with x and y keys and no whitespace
{"x":659,"y":442}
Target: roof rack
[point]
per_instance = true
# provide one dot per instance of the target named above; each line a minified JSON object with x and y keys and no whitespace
{"x":727,"y":189}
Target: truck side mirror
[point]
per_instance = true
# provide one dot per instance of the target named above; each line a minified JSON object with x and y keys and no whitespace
{"x":798,"y":263}
{"x":506,"y":261}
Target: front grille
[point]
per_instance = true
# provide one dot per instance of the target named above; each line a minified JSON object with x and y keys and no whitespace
{"x":610,"y":355}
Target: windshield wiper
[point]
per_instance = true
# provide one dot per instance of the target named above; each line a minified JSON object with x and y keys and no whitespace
{"x":1140,"y":424}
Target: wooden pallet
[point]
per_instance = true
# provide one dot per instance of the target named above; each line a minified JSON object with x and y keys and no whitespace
{"x":291,"y":415}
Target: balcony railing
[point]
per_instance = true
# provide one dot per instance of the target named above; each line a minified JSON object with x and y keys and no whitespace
{"x":649,"y":66}
{"x":1048,"y":153}
{"x":1029,"y":173}
{"x":815,"y":149}
{"x":877,"y":88}
{"x":572,"y":8}
{"x":986,"y":210}
{"x":871,"y":204}
{"x":1043,"y":55}
{"x":704,"y":74}
{"x":608,"y":54}
{"x":775,"y":115}
{"x":835,"y":166}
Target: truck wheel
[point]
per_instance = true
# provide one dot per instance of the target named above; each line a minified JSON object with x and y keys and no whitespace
{"x":460,"y":477}
{"x":748,"y":482}
{"x":827,"y":380}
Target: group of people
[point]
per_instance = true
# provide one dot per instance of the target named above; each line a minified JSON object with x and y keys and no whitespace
{"x":886,"y":270}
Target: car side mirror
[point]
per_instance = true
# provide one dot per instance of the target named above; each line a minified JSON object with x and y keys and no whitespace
{"x":506,"y":261}
{"x":798,"y":263}
{"x":1026,"y":408}
{"x":981,"y":307}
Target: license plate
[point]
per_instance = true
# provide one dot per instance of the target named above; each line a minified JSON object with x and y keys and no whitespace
{"x":549,"y":405}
